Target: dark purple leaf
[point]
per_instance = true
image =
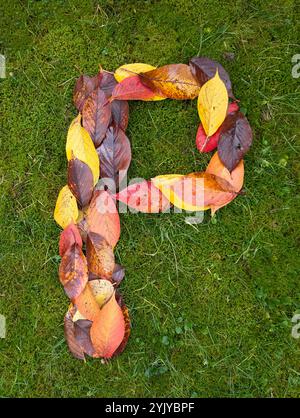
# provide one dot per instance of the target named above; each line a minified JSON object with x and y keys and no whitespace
{"x":83,"y":88}
{"x":114,"y":155}
{"x":235,"y":139}
{"x":118,"y":274}
{"x":80,"y":181}
{"x":120,"y":113}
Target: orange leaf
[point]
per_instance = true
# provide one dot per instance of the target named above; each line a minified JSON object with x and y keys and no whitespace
{"x":124,"y":308}
{"x":174,"y":81}
{"x":235,"y":178}
{"x":87,"y":304}
{"x":73,"y":273}
{"x":103,"y":218}
{"x":108,"y":329}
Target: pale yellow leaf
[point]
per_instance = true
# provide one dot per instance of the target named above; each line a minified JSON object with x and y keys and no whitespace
{"x":66,"y":210}
{"x":212,"y":104}
{"x":80,"y":145}
{"x":102,"y":290}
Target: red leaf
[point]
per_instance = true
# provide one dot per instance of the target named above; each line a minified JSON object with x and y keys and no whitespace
{"x":114,"y":155}
{"x":80,"y":181}
{"x":108,"y":329}
{"x":103,"y":218}
{"x":73,"y":273}
{"x":207,"y":144}
{"x":68,"y":237}
{"x":131,"y":88}
{"x":144,"y":197}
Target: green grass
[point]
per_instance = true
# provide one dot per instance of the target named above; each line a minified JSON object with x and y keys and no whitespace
{"x":211,"y":305}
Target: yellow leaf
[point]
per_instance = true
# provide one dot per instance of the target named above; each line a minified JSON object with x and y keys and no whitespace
{"x":80,"y":145}
{"x":66,"y":210}
{"x":172,"y":187}
{"x":129,"y":70}
{"x":212,"y":104}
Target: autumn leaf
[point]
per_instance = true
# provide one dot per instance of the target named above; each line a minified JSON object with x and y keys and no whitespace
{"x":206,"y":143}
{"x":118,"y":274}
{"x":193,"y":192}
{"x":212,"y":104}
{"x":129,"y":70}
{"x":144,"y":197}
{"x":100,"y":256}
{"x":120,"y":113}
{"x":125,"y":312}
{"x":69,"y":328}
{"x":69,"y":236}
{"x":174,"y":81}
{"x":103,"y":218}
{"x":235,"y":178}
{"x":108,"y":329}
{"x":235,"y":140}
{"x":82,"y":328}
{"x":66,"y":210}
{"x":83,"y":88}
{"x":203,"y":69}
{"x":73,"y":273}
{"x":102,"y":290}
{"x":80,"y":181}
{"x":86,"y":304}
{"x":132,"y":88}
{"x":96,"y":115}
{"x":80,"y":145}
{"x":114,"y":155}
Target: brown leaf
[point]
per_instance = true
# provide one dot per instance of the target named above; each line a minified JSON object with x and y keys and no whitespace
{"x":73,"y":273}
{"x":144,"y":197}
{"x":108,"y":329}
{"x":103,"y":218}
{"x":69,"y":328}
{"x":203,"y":69}
{"x":114,"y":155}
{"x":174,"y":81}
{"x":83,"y":88}
{"x":68,"y":237}
{"x":96,"y":115}
{"x":100,"y":256}
{"x":80,"y":181}
{"x":120,"y":113}
{"x":235,"y":140}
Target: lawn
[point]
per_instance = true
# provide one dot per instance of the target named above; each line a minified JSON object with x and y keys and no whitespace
{"x":211,"y":304}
